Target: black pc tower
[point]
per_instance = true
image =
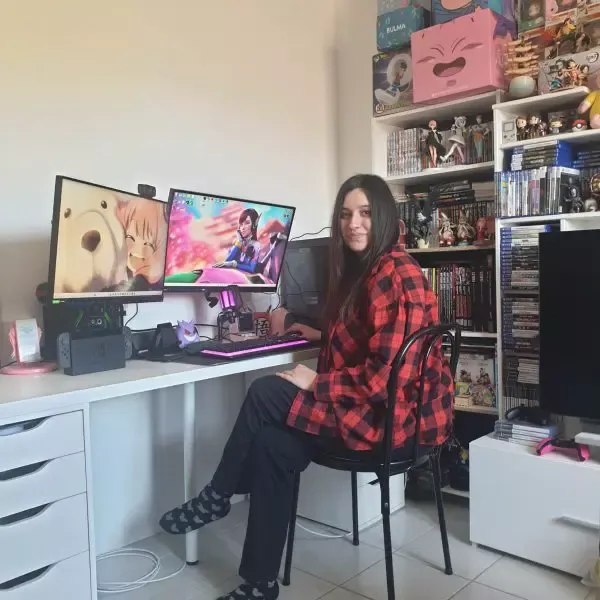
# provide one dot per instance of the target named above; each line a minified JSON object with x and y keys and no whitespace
{"x":305,"y":279}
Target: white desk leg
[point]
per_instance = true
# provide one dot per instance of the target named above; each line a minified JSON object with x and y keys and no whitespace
{"x":189,"y":441}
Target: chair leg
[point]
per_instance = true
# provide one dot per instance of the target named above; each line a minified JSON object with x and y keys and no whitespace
{"x":291,"y":533}
{"x":437,"y":488}
{"x":355,"y":539}
{"x":387,"y":535}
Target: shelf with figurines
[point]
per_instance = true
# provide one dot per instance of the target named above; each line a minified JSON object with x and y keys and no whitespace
{"x":463,"y":146}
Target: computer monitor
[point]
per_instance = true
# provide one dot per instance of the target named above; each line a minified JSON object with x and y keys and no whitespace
{"x":217,"y":241}
{"x":570,"y":323}
{"x":305,"y":279}
{"x":106,"y":244}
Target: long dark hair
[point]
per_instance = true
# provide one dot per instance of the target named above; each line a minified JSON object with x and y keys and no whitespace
{"x":254,"y":217}
{"x":347,"y":269}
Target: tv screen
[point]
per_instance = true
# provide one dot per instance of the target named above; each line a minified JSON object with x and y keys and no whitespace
{"x":570,"y":323}
{"x":106,"y":244}
{"x":217,"y":241}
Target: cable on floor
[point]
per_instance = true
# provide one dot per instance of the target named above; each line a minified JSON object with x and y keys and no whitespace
{"x":323,"y":535}
{"x":119,"y":587}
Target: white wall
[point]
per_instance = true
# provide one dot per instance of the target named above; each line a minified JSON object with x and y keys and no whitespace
{"x":231,"y":97}
{"x":356,"y":45}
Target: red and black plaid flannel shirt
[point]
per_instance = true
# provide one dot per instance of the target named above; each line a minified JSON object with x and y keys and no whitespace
{"x":350,"y":391}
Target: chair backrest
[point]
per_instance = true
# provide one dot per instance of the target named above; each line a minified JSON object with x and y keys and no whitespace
{"x":428,"y":336}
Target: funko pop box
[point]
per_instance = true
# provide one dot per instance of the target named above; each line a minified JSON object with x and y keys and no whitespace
{"x":392,"y":82}
{"x":443,"y":11}
{"x":462,"y":57}
{"x":395,"y":28}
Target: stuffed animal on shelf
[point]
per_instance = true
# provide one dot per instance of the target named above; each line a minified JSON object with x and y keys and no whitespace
{"x":592,"y":103}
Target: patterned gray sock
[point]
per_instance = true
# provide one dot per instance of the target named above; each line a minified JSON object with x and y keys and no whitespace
{"x":263,"y":590}
{"x":205,"y":508}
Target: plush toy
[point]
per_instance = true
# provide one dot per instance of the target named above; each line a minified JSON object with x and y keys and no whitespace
{"x":592,"y":103}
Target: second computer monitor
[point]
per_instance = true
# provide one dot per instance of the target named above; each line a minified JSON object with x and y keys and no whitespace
{"x":217,"y":241}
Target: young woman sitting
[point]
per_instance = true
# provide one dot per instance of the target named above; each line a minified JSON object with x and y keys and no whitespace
{"x":378,"y":297}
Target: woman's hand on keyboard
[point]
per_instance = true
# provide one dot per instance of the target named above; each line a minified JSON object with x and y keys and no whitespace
{"x":314,"y":335}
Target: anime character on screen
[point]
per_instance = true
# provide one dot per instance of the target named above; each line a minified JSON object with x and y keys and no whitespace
{"x":145,"y":228}
{"x":245,"y":251}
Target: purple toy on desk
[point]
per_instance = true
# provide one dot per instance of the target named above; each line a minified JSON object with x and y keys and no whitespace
{"x":186,"y":333}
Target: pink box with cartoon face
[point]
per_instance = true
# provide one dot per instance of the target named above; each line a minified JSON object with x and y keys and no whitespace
{"x":461,"y":57}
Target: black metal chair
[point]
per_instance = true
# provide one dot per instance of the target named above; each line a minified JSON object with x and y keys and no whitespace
{"x":381,"y":461}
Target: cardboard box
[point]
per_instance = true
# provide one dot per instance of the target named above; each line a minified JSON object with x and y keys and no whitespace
{"x":392,"y":82}
{"x":387,"y":6}
{"x":460,"y":58}
{"x":395,"y":28}
{"x":448,"y":10}
{"x":572,"y":70}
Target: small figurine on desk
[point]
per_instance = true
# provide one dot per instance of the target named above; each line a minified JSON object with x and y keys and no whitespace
{"x":464,"y":232}
{"x":433,"y":141}
{"x":457,"y":138}
{"x":536,"y":127}
{"x":479,"y":133}
{"x":186,"y":333}
{"x":521,"y":123}
{"x":447,"y":237}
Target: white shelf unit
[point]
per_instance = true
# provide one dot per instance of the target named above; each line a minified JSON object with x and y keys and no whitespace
{"x":419,"y":116}
{"x":568,"y":222}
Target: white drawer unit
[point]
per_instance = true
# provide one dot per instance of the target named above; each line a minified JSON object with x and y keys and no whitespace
{"x":66,"y":580}
{"x":40,"y":440}
{"x":41,"y":483}
{"x":544,"y":509}
{"x":43,"y":536}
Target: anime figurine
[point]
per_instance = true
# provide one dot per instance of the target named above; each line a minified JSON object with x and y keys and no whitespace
{"x":464,"y":231}
{"x":536,"y":127}
{"x":479,"y":133}
{"x":457,"y":137}
{"x":591,"y":204}
{"x":521,"y":123}
{"x":591,"y":103}
{"x":483,"y":237}
{"x":420,"y":229}
{"x":244,"y":253}
{"x":446,"y":234}
{"x":145,"y":225}
{"x":556,"y":125}
{"x":571,"y":201}
{"x":433,"y":141}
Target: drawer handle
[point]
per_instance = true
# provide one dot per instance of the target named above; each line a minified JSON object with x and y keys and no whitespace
{"x":24,"y":515}
{"x":16,"y":428}
{"x":25,"y":579}
{"x":585,"y":523}
{"x":22,"y":471}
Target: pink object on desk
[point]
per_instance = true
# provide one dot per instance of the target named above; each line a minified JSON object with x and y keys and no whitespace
{"x":461,"y":57}
{"x":33,"y":368}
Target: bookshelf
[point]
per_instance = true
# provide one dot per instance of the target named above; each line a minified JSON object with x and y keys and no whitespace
{"x":565,"y":222}
{"x":484,"y":171}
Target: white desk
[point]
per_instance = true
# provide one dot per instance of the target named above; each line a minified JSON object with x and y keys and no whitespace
{"x":44,"y":396}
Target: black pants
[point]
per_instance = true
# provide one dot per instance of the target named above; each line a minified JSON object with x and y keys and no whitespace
{"x":261,"y":458}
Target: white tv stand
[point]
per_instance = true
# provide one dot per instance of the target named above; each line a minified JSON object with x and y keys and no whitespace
{"x":544,"y":509}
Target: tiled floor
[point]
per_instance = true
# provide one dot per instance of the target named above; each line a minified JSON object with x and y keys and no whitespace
{"x":333,"y":569}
